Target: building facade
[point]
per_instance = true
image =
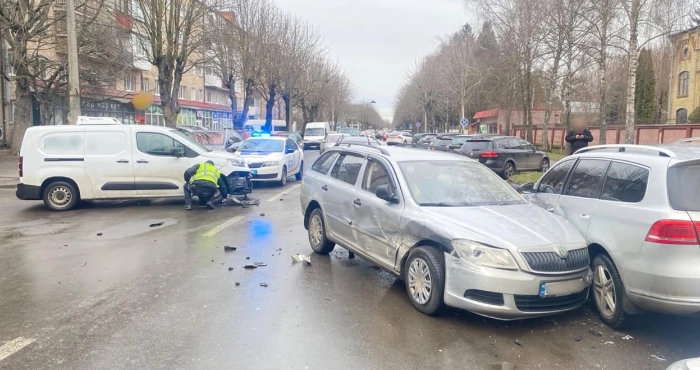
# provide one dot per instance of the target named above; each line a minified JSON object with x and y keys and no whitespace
{"x":685,"y":77}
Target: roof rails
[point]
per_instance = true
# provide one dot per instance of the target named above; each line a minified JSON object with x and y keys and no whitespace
{"x":623,"y":148}
{"x":380,"y":149}
{"x":686,"y":141}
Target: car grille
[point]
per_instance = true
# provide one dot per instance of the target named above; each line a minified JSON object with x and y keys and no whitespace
{"x":264,"y":177}
{"x":533,"y":303}
{"x":255,"y":165}
{"x":550,"y":262}
{"x":482,"y":296}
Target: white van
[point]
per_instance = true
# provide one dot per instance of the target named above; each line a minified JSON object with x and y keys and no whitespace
{"x":100,"y":158}
{"x":314,"y":133}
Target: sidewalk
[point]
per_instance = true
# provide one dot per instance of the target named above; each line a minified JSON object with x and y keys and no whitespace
{"x":9,"y":175}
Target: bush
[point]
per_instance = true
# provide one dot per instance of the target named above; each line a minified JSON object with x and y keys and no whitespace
{"x":694,"y":117}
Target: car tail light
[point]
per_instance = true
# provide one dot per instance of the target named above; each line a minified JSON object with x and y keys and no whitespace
{"x":677,"y":232}
{"x":400,"y":137}
{"x":21,"y":166}
{"x":490,"y":154}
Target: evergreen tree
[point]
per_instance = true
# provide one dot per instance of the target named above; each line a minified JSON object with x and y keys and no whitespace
{"x":467,"y":32}
{"x":487,"y":38}
{"x":644,"y":95}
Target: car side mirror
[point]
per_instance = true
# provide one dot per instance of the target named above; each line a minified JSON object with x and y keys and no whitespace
{"x":290,"y":151}
{"x":177,"y":153}
{"x":386,"y":193}
{"x":537,"y":148}
{"x":528,"y":187}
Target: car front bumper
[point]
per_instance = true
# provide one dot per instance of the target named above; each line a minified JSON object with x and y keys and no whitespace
{"x":312,"y":144}
{"x":270,"y":173}
{"x":28,"y":192}
{"x":511,"y":295}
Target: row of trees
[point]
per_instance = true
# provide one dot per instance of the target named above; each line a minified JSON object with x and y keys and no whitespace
{"x":610,"y":54}
{"x":250,"y":44}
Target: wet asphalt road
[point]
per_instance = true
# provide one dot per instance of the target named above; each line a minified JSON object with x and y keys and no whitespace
{"x":140,"y":297}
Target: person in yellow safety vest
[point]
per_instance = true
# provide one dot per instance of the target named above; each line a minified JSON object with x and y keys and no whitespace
{"x":203,"y":180}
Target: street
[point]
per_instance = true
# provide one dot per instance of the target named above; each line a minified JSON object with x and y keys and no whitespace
{"x":108,"y":287}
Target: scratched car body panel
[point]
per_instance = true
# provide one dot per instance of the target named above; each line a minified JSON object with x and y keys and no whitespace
{"x":370,"y":202}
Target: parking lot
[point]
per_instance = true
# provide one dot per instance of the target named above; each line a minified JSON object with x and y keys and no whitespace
{"x":99,"y":288}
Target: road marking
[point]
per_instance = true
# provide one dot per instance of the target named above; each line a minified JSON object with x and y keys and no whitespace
{"x":9,"y":348}
{"x":226,"y":224}
{"x":283,"y":193}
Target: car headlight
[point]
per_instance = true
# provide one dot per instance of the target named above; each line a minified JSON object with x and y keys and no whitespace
{"x":482,"y":255}
{"x":237,"y":162}
{"x":271,"y":163}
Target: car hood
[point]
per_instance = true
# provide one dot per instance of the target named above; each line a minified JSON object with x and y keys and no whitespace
{"x":313,"y":138}
{"x":513,"y":227}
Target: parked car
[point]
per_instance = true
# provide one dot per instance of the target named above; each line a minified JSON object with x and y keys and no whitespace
{"x":273,"y":158}
{"x":330,"y":141}
{"x":100,"y":158}
{"x":425,"y":140}
{"x":459,"y":140}
{"x":506,"y":155}
{"x":441,"y":143}
{"x":639,"y":209}
{"x":437,"y":220}
{"x":216,"y":139}
{"x":349,"y":131}
{"x":314,"y":133}
{"x":187,"y":129}
{"x":689,"y":364}
{"x":292,"y":135}
{"x":398,"y":137}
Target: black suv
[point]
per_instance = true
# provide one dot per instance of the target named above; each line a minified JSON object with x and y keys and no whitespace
{"x":506,"y":155}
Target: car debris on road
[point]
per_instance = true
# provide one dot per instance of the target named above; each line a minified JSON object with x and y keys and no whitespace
{"x":301,"y":258}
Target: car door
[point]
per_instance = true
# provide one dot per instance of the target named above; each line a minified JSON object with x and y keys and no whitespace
{"x":532,"y":158}
{"x":516,"y":151}
{"x":158,"y":171}
{"x":109,"y":164}
{"x":550,"y":187}
{"x":292,"y":156}
{"x":376,"y":222}
{"x":339,"y":195}
{"x":581,"y":192}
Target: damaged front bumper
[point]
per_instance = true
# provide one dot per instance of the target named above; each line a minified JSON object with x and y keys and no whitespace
{"x":240,"y":183}
{"x":512,"y":295}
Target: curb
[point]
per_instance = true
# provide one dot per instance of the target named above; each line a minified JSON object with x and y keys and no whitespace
{"x":8,"y":186}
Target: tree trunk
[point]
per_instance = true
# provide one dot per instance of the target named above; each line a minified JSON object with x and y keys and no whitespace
{"x":231,"y":85}
{"x":168,"y":101}
{"x":550,"y":99}
{"x":249,"y":85}
{"x":603,"y":92}
{"x":269,"y":106}
{"x":23,"y":116}
{"x":287,"y":110}
{"x":632,"y":80}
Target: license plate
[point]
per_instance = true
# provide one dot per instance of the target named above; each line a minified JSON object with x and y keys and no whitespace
{"x":254,"y":172}
{"x":561,"y":288}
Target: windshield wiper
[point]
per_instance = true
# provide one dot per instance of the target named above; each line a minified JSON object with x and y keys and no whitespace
{"x":440,"y":204}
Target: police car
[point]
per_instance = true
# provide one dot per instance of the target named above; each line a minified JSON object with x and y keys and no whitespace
{"x":272,"y":158}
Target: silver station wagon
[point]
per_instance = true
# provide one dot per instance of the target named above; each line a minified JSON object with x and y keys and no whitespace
{"x":455,"y":232}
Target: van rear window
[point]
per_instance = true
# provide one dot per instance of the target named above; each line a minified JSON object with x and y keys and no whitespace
{"x":682,"y":187}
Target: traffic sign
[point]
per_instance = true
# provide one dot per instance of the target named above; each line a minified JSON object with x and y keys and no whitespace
{"x":464,"y":122}
{"x":417,"y":124}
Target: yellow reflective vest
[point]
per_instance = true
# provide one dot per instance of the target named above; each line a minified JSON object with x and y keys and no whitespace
{"x":206,"y":172}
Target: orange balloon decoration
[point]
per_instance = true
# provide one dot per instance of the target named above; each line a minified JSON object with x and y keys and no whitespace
{"x":142,"y":100}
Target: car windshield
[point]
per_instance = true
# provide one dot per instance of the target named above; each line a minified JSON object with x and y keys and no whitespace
{"x":349,"y":131}
{"x":314,"y":132}
{"x":441,"y":183}
{"x":681,"y":195}
{"x":261,"y":145}
{"x":211,"y":138}
{"x":189,"y":142}
{"x":476,"y":145}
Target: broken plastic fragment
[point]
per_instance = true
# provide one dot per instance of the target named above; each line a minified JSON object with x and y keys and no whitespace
{"x":301,"y":258}
{"x":518,"y":342}
{"x":229,"y":248}
{"x":260,"y":264}
{"x":230,"y":268}
{"x":237,"y":283}
{"x":595,"y":333}
{"x":264,"y":285}
{"x":157,"y":224}
{"x":250,"y":266}
{"x":658,"y":358}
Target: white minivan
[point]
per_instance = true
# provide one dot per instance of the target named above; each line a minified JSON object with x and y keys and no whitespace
{"x":315,"y":133}
{"x":100,"y":158}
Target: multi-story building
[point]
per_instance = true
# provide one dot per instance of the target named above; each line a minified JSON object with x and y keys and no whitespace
{"x":685,"y":78}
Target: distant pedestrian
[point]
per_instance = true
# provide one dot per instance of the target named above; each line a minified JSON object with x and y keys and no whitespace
{"x":578,"y":137}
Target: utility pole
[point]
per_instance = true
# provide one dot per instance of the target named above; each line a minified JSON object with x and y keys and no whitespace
{"x":73,"y":78}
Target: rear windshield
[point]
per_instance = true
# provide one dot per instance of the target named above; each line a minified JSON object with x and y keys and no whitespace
{"x":477,"y":145}
{"x":682,"y":190}
{"x":460,"y":140}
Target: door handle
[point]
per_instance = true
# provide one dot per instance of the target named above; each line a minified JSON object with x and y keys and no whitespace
{"x":324,"y":187}
{"x":142,"y":161}
{"x":585,"y":217}
{"x":357,"y":202}
{"x":550,"y":209}
{"x":122,"y":161}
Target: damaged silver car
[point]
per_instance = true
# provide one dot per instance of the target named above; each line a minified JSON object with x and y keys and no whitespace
{"x":455,"y":232}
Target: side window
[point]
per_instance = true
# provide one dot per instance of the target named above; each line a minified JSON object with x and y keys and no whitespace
{"x":525,"y":145}
{"x":375,"y":175}
{"x":553,"y":181}
{"x":586,"y":177}
{"x":105,"y":143}
{"x":63,"y":143}
{"x":291,"y":144}
{"x":514,"y":144}
{"x":502,"y":144}
{"x":324,"y":162}
{"x":157,"y":144}
{"x":625,"y":183}
{"x":347,"y":168}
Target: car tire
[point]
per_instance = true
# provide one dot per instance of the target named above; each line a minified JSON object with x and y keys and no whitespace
{"x":607,"y":289}
{"x":508,"y":170}
{"x":61,"y":196}
{"x":544,"y":165}
{"x":317,"y":233}
{"x":300,"y":174}
{"x":283,"y":177}
{"x":426,"y":297}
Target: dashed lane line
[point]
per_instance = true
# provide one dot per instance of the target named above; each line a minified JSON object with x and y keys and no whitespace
{"x":283,"y":193}
{"x":13,"y":346}
{"x":224,"y":225}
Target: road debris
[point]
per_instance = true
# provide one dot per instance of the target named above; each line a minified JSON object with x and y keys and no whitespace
{"x":578,"y":338}
{"x":264,"y":285}
{"x":157,"y":224}
{"x":99,"y":234}
{"x":328,"y":299}
{"x":659,"y":358}
{"x":609,"y":342}
{"x":230,"y":268}
{"x":351,"y":255}
{"x":250,"y":266}
{"x":84,"y":264}
{"x":301,"y":258}
{"x":518,"y":342}
{"x":260,"y":264}
{"x":262,"y":215}
{"x":247,"y":258}
{"x":627,"y":337}
{"x":502,"y":366}
{"x":595,"y":333}
{"x":229,"y":248}
{"x":237,"y":284}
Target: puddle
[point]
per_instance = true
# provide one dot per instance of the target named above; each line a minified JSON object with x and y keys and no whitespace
{"x":131,"y":228}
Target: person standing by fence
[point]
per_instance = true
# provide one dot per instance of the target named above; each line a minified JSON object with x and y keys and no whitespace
{"x":578,"y":137}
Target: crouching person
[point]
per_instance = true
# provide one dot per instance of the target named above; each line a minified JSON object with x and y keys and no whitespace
{"x":203,"y":180}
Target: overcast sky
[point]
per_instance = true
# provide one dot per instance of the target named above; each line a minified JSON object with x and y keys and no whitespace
{"x":377,"y":41}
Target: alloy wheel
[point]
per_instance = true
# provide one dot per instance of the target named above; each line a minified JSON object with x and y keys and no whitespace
{"x":419,"y":281}
{"x":604,"y":291}
{"x":316,"y":231}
